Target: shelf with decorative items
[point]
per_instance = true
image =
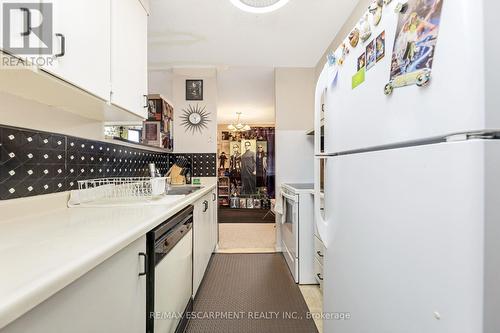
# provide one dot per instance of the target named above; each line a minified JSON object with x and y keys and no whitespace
{"x":223,"y":186}
{"x":158,"y":129}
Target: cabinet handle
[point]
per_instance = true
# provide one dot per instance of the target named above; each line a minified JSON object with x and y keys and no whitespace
{"x":27,"y":31}
{"x":63,"y":45}
{"x":215,"y":197}
{"x":145,"y":256}
{"x":145,"y":101}
{"x":319,"y":254}
{"x":319,"y":276}
{"x":205,"y":203}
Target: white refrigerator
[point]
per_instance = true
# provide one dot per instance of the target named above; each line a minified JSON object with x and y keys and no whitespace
{"x":411,"y":185}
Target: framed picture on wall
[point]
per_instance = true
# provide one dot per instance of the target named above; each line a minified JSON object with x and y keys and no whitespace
{"x":151,"y":133}
{"x":194,"y":90}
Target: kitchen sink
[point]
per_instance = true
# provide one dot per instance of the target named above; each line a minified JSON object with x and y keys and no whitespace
{"x":183,"y":190}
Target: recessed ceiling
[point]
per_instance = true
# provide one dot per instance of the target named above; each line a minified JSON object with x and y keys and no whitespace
{"x":190,"y":33}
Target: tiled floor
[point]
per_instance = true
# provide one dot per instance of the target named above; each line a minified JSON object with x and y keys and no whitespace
{"x":247,"y":238}
{"x":314,"y":299}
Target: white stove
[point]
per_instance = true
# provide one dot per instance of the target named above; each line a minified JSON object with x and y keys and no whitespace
{"x":297,"y":231}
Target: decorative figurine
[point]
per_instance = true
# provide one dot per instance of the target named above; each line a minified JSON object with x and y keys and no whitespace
{"x":354,"y":37}
{"x":366,"y":29}
{"x":332,"y":60}
{"x":376,"y":10}
{"x":344,"y":51}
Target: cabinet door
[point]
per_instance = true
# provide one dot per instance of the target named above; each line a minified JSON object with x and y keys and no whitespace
{"x":109,"y":298}
{"x":202,"y":249}
{"x":82,"y":44}
{"x":198,"y":227}
{"x":213,"y":221}
{"x":129,"y":56}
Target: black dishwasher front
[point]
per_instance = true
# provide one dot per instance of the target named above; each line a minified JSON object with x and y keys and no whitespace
{"x":160,"y":242}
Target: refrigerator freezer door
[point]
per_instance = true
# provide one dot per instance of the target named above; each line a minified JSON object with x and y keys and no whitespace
{"x":453,"y":102}
{"x":406,"y":240}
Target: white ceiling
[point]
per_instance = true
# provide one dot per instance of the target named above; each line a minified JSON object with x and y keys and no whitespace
{"x":244,"y":47}
{"x":186,"y":33}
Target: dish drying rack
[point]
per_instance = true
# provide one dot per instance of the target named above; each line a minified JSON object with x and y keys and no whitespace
{"x":120,"y":189}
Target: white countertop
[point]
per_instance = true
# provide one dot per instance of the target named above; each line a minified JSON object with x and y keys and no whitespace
{"x":43,"y":253}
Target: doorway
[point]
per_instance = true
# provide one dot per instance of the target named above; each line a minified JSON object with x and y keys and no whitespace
{"x":246,"y":189}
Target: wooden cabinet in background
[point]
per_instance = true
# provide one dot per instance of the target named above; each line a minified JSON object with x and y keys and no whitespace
{"x":162,"y":111}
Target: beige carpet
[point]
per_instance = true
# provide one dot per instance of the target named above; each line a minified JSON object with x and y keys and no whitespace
{"x":247,"y":237}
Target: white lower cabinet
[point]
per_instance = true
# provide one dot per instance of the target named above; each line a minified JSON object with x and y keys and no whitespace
{"x":109,"y":298}
{"x":204,"y":237}
{"x":319,"y":254}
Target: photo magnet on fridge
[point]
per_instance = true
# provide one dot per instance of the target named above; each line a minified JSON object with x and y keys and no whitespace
{"x":362,"y":61}
{"x":380,"y":46}
{"x":358,"y":78}
{"x":416,"y":37}
{"x":371,"y":56}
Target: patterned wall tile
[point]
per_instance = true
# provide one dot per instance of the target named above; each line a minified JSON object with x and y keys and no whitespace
{"x":204,"y":165}
{"x":34,"y":162}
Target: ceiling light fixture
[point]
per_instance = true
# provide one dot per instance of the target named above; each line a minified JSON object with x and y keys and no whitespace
{"x":259,"y":6}
{"x":239,"y":127}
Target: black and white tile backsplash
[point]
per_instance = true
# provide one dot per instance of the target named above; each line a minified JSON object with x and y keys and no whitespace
{"x":35,"y":162}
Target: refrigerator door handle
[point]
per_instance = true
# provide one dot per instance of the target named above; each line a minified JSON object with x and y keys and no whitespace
{"x":320,"y":211}
{"x":293,"y":198}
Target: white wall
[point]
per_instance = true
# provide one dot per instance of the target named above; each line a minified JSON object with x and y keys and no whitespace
{"x":294,"y":117}
{"x":249,"y":90}
{"x":161,"y":82}
{"x":171,"y":84}
{"x":186,"y":141}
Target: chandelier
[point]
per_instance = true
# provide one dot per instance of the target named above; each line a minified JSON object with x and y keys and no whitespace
{"x":239,"y":127}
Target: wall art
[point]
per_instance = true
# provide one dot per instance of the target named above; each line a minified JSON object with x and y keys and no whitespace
{"x":194,"y":90}
{"x":195,"y":118}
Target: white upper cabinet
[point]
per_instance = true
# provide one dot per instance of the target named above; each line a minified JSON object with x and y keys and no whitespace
{"x":99,"y":47}
{"x":82,"y":44}
{"x":129,"y":56}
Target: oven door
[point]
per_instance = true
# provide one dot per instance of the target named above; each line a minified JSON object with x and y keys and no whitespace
{"x":289,"y":232}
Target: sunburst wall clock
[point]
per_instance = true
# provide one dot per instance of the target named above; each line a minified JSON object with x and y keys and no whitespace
{"x":195,"y":118}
